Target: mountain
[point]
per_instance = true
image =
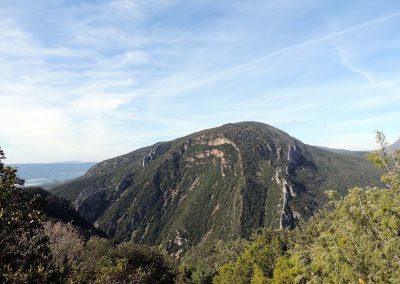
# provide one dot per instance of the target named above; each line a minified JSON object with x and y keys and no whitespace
{"x":37,"y":174}
{"x":346,"y":152}
{"x":220,"y":183}
{"x":395,"y":146}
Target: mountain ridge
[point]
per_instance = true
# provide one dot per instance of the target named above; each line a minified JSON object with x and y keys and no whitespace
{"x":218,"y":183}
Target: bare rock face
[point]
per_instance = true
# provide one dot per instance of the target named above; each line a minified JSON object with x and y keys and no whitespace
{"x":150,"y":156}
{"x":91,"y":203}
{"x":124,"y":183}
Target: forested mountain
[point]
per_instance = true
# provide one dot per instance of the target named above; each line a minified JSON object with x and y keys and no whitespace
{"x":220,"y":183}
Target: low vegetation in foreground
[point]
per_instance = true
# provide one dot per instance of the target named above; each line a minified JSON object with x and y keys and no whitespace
{"x":355,"y":238}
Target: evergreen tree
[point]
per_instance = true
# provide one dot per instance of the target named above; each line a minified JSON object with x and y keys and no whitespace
{"x":24,"y":253}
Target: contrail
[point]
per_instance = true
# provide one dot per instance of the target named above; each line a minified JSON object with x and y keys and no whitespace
{"x":315,"y":40}
{"x":198,"y":82}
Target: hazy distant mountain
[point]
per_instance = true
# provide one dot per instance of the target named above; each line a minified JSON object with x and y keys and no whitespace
{"x":346,"y":152}
{"x":395,"y":146}
{"x":47,"y":173}
{"x":220,"y":183}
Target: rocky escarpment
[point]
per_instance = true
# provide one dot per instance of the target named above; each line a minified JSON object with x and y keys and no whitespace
{"x":150,"y":156}
{"x":220,"y":183}
{"x":91,"y":203}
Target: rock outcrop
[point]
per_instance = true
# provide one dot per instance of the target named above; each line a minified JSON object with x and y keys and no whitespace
{"x":150,"y":156}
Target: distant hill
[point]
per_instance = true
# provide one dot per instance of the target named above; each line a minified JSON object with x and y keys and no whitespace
{"x":48,"y":173}
{"x":220,"y":183}
{"x":346,"y":152}
{"x":395,"y":146}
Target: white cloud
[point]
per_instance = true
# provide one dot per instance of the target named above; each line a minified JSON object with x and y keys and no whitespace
{"x":114,"y":82}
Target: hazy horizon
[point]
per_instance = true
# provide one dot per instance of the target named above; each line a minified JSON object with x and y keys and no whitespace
{"x":82,"y":162}
{"x":90,"y":80}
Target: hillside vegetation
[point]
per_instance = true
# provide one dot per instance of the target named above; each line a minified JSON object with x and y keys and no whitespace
{"x":352,"y":238}
{"x":44,"y":240}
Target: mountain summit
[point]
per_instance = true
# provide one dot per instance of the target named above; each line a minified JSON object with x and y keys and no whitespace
{"x":220,"y":183}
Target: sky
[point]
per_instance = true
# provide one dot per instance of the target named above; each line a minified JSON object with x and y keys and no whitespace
{"x":90,"y":80}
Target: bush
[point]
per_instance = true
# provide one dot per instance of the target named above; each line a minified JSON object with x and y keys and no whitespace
{"x":102,"y":262}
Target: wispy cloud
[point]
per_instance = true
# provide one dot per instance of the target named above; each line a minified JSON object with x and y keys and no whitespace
{"x":354,"y":67}
{"x":90,"y":80}
{"x":177,"y":84}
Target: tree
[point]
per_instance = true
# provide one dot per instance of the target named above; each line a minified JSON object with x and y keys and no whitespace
{"x":256,"y":264}
{"x":24,"y":252}
{"x":102,"y":262}
{"x":199,"y":265}
{"x":390,"y":162}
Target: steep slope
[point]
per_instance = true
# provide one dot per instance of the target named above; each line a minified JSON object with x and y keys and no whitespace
{"x":220,"y":183}
{"x":56,"y":209}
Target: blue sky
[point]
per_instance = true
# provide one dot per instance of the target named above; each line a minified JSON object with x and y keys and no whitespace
{"x":89,"y":80}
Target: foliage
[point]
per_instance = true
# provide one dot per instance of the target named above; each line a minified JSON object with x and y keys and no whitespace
{"x":200,"y":264}
{"x":43,"y":240}
{"x":258,"y":260}
{"x":25,"y":256}
{"x":65,"y":241}
{"x":390,"y":162}
{"x":357,"y":241}
{"x":102,"y":262}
